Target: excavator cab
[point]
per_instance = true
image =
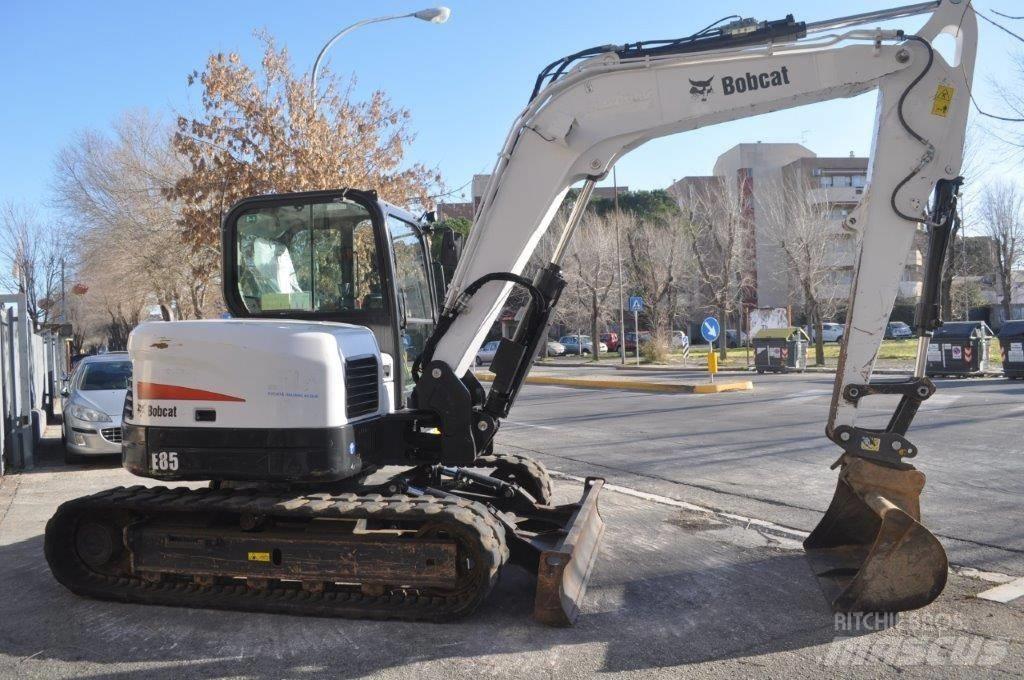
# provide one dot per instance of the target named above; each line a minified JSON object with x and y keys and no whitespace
{"x":343,"y":256}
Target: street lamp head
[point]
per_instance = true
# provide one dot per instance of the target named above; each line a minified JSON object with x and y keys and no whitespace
{"x":435,"y":15}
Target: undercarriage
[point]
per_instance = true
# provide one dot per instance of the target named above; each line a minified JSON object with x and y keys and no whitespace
{"x":427,"y":543}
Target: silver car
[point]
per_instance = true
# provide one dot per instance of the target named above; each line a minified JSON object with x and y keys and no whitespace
{"x":93,"y":401}
{"x":485,"y":355}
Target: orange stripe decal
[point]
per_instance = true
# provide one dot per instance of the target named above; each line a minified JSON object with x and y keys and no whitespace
{"x":148,"y":390}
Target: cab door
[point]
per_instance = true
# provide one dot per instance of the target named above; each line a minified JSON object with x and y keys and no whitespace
{"x":415,"y":294}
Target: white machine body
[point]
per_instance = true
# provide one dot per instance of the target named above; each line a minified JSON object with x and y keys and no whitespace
{"x":253,"y":373}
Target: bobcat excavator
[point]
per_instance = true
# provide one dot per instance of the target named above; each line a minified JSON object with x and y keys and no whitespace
{"x":349,"y":449}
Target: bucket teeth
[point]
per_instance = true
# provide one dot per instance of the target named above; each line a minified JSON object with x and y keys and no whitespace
{"x":870,"y":551}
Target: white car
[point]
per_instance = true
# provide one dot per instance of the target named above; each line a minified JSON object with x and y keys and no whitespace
{"x":830,"y":332}
{"x":678,"y":340}
{"x":485,"y":355}
{"x":93,"y":403}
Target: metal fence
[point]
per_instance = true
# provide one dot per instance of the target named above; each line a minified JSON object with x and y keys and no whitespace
{"x":31,"y":365}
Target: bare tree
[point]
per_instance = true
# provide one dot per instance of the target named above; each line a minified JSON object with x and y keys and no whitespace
{"x":1002,"y":211}
{"x":591,"y":271}
{"x":717,"y":226}
{"x":798,"y":222}
{"x":113,"y":187}
{"x":653,"y":257}
{"x":33,"y":249}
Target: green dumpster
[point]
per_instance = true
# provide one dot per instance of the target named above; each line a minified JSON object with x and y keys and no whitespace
{"x":781,"y":350}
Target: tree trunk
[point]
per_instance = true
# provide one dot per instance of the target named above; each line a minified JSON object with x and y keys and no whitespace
{"x":814,"y":311}
{"x":723,"y":342}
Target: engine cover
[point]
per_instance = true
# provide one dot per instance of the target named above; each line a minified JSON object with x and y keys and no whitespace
{"x":250,"y":399}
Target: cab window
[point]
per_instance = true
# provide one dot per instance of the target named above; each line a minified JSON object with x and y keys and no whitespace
{"x":319,"y":257}
{"x":412,"y":286}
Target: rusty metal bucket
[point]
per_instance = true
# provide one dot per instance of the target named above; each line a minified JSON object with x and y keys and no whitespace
{"x":563,"y":570}
{"x":870,"y":551}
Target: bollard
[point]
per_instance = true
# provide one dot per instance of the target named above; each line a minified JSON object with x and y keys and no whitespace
{"x":712,"y":363}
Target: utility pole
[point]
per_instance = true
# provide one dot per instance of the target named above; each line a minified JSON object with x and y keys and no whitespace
{"x":63,"y":301}
{"x":618,"y":257}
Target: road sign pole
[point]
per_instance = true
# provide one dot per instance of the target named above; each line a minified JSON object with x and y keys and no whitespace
{"x":636,"y":329}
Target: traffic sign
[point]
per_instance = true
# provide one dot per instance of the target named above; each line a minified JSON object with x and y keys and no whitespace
{"x":636,"y":303}
{"x":710,"y":329}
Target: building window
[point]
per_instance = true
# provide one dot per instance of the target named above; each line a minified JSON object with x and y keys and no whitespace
{"x":860,"y":181}
{"x":840,"y":180}
{"x":826,"y":181}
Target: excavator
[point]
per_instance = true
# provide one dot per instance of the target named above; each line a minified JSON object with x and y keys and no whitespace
{"x":350,"y":451}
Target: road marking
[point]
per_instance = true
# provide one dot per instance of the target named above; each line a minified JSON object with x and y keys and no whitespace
{"x":539,"y":427}
{"x":1010,"y":589}
{"x":1004,"y":593}
{"x":747,"y":522}
{"x":806,"y":395}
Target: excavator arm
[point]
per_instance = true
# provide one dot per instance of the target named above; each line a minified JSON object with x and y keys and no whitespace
{"x":584,"y":116}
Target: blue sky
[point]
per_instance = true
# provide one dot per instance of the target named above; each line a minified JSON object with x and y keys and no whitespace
{"x":74,"y":65}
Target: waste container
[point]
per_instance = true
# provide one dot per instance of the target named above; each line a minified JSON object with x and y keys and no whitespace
{"x":780,"y":350}
{"x":1011,"y":339}
{"x":959,"y":348}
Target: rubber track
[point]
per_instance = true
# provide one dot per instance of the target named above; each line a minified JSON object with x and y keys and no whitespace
{"x":467,"y":519}
{"x":539,"y":481}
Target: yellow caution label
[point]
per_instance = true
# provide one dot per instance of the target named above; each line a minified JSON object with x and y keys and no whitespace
{"x":943,"y":98}
{"x":712,"y":363}
{"x":872,"y":444}
{"x":259,"y":557}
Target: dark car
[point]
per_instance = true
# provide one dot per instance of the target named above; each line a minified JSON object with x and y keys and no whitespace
{"x":898,"y":330}
{"x":734,"y":338}
{"x":630,"y":340}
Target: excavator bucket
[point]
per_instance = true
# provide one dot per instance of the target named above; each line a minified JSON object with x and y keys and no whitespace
{"x":564,"y":568}
{"x":870,"y":551}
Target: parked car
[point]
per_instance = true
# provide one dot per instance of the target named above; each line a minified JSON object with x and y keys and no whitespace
{"x":678,"y":340}
{"x":611,"y":340}
{"x":734,"y":338}
{"x":580,"y":344}
{"x":93,"y":402}
{"x":830,"y":332}
{"x":555,"y":349}
{"x":485,"y":355}
{"x":898,"y":330}
{"x":630,"y":340}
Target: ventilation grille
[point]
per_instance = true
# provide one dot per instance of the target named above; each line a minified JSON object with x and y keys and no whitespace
{"x":112,"y":434}
{"x":361,"y":388}
{"x":126,"y":412}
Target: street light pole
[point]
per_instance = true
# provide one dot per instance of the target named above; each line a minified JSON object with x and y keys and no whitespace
{"x":435,"y":15}
{"x":618,"y":257}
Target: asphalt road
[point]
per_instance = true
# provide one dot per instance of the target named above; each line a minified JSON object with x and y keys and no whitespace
{"x":675,"y":593}
{"x":763,"y":453}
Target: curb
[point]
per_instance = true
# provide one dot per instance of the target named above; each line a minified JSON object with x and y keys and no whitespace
{"x":715,"y":388}
{"x":634,"y":385}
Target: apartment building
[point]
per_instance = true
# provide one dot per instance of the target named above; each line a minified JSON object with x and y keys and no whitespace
{"x":834,"y":185}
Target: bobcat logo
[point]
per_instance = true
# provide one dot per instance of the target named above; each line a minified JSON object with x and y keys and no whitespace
{"x":701,"y":88}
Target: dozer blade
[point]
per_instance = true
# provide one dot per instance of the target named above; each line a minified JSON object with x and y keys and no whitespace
{"x":564,"y":570}
{"x":870,"y":551}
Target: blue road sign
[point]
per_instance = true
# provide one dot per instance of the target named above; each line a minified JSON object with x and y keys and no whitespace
{"x":710,"y":329}
{"x":636,"y":303}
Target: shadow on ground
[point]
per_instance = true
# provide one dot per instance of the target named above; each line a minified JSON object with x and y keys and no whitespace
{"x":642,"y":612}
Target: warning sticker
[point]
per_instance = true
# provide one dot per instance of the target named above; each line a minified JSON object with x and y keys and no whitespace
{"x":775,"y":352}
{"x":934,"y":352}
{"x":943,"y":98}
{"x":1016,"y":353}
{"x":259,"y":557}
{"x":957,"y":352}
